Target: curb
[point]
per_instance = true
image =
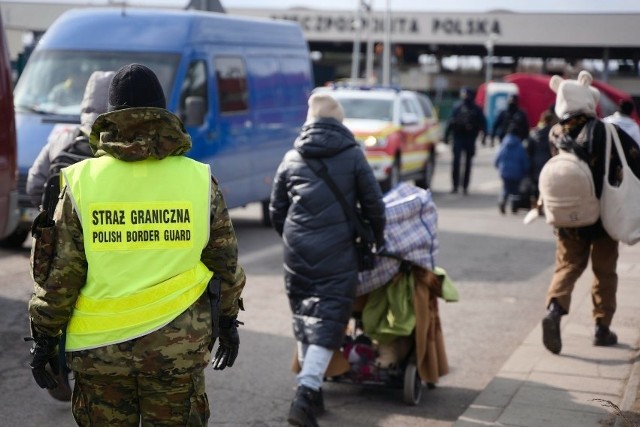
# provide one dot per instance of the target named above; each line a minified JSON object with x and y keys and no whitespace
{"x":630,"y":392}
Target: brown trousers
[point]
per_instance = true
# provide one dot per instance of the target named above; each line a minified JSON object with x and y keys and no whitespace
{"x":572,"y":257}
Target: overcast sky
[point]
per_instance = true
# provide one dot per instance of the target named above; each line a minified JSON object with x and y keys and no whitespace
{"x":574,"y":6}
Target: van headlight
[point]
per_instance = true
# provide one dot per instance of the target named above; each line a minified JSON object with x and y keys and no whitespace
{"x":372,"y":141}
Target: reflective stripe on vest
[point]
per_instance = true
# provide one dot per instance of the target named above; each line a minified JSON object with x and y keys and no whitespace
{"x":144,"y":227}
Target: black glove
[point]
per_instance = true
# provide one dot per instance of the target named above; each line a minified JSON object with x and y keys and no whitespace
{"x":229,"y":343}
{"x":44,"y":350}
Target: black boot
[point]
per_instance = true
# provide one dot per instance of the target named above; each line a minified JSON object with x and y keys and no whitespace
{"x":304,"y":407}
{"x":604,"y":336}
{"x":551,"y":328}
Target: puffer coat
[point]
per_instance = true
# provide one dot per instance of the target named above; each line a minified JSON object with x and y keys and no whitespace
{"x":320,"y":261}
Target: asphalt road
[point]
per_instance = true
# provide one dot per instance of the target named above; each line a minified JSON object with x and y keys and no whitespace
{"x":500,"y":267}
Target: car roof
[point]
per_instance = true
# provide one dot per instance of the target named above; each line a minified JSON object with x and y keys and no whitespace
{"x":363,"y":92}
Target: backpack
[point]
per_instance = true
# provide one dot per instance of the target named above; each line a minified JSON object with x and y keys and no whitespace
{"x":77,"y":151}
{"x":465,"y":119}
{"x":513,"y":122}
{"x":567,"y":189}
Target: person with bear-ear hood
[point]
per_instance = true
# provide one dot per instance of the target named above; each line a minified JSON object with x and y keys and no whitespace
{"x":575,"y":107}
{"x":320,"y":264}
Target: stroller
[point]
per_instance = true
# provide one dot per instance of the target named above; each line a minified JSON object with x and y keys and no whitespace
{"x":408,"y":353}
{"x":364,"y":354}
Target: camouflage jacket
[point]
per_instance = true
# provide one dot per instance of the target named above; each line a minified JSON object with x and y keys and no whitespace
{"x":58,"y":262}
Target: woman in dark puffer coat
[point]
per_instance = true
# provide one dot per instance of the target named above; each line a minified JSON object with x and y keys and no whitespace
{"x":320,"y":260}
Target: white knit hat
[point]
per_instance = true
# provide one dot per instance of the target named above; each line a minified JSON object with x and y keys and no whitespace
{"x":575,"y":96}
{"x":324,"y":105}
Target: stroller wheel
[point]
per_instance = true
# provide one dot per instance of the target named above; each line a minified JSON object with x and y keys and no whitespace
{"x":412,"y":385}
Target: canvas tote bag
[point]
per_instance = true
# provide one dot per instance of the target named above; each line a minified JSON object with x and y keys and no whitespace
{"x":620,"y":205}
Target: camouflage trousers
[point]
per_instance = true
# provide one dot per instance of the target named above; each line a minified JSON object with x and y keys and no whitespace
{"x":154,"y":380}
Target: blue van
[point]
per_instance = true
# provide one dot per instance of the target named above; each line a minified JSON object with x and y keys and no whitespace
{"x":240,"y":85}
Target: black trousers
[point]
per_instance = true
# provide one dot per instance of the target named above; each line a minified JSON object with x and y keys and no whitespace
{"x":462,"y":145}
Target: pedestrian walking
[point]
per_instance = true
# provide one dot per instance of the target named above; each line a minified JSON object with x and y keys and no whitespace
{"x":127,"y":265}
{"x":70,"y":143}
{"x":513,"y":117}
{"x":512,"y":162}
{"x":622,"y":118}
{"x":466,"y":123}
{"x":320,"y":263}
{"x":575,"y":106}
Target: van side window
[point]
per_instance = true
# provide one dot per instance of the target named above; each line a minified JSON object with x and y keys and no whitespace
{"x":410,"y":107}
{"x":231,"y":77}
{"x":194,"y":85}
{"x":426,"y":105}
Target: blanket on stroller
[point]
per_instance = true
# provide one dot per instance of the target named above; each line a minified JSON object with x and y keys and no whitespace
{"x":410,"y":235}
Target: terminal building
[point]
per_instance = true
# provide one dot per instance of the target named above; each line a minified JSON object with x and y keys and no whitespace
{"x":431,"y":52}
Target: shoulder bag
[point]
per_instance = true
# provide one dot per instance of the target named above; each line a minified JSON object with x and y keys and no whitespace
{"x":620,"y":204}
{"x":364,"y":239}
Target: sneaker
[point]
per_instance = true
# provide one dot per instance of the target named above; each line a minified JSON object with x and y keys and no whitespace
{"x":604,"y":336}
{"x":551,"y":329}
{"x":302,"y":412}
{"x":502,"y":207}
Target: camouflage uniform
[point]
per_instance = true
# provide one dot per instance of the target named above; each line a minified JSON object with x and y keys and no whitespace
{"x":156,"y":379}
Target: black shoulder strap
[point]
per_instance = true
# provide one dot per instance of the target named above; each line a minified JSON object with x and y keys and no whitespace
{"x":321,"y":171}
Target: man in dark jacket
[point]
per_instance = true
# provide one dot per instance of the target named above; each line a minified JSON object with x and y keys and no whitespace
{"x":466,"y":123}
{"x":321,"y":271}
{"x":512,"y":117}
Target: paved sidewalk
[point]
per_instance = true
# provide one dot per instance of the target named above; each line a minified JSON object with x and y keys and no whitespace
{"x":538,"y":388}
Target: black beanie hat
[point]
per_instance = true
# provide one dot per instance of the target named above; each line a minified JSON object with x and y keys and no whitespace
{"x":135,"y":85}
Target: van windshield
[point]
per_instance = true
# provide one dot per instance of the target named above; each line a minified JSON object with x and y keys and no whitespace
{"x":53,"y":81}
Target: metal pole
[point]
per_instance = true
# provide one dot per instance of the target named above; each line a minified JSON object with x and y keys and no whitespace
{"x":386,"y":55}
{"x":489,"y":66}
{"x":355,"y":58}
{"x":605,"y":65}
{"x":369,"y":72}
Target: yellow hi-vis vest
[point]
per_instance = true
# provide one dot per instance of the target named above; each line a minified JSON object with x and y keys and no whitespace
{"x":144,"y":226}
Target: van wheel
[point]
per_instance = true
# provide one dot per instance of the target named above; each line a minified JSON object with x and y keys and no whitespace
{"x":429,"y":170}
{"x":394,"y":177}
{"x":266,"y":220}
{"x":15,"y":239}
